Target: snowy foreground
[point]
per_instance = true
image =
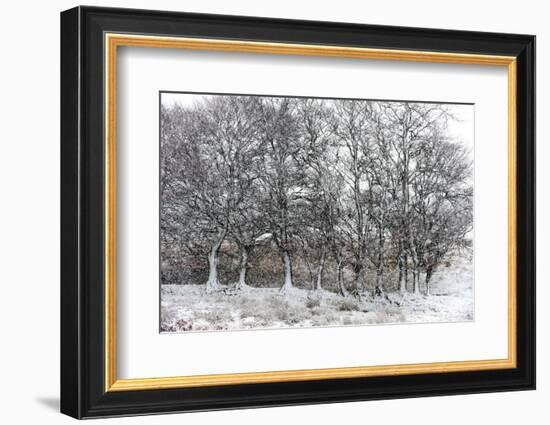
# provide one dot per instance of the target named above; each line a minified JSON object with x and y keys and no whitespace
{"x":190,"y":308}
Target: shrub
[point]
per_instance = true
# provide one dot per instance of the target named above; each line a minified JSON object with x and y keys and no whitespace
{"x":313,"y":302}
{"x":179,"y":325}
{"x":348,"y":304}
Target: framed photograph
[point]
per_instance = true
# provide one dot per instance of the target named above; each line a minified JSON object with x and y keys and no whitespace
{"x":261,"y":212}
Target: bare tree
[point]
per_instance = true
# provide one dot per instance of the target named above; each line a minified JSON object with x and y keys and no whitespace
{"x":248,"y":222}
{"x":406,"y":126}
{"x":184,"y":227}
{"x":355,"y":186}
{"x":352,"y":128}
{"x":443,"y":202}
{"x":282,"y":177}
{"x":317,"y":158}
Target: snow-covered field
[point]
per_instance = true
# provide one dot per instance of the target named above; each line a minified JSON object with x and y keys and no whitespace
{"x":190,"y":308}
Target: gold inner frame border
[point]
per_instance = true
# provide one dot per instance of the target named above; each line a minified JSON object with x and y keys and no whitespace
{"x":111,"y":43}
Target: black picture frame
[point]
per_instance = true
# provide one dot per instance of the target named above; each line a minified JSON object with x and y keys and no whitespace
{"x":83,"y":392}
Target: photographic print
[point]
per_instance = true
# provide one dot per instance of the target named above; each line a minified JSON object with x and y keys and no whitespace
{"x":292,"y":212}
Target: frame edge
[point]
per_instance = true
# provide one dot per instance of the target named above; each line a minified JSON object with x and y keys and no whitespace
{"x":70,"y":349}
{"x":526,"y":219}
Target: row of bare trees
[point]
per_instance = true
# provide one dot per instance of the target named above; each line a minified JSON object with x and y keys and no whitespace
{"x":358,"y":185}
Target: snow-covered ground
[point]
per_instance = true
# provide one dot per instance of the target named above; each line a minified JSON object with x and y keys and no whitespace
{"x":190,"y":308}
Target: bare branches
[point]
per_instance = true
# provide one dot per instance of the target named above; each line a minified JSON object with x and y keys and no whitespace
{"x":355,"y":186}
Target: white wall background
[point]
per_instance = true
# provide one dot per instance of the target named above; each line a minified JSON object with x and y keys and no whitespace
{"x":29,"y":211}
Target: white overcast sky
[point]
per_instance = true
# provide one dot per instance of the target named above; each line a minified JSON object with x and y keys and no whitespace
{"x":461,"y":128}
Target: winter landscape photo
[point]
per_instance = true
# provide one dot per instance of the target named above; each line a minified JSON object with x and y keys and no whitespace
{"x":293,"y":212}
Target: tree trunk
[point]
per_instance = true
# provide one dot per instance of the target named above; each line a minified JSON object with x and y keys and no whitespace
{"x":402,"y":280}
{"x":429,"y":273}
{"x":359,"y":277}
{"x":318,"y":284}
{"x":287,"y":267}
{"x":416,"y":278}
{"x":213,"y":284}
{"x":243,"y":268}
{"x":380,"y":266}
{"x":415,"y":263}
{"x":406,"y":271}
{"x":379,"y":274}
{"x":341,"y":286}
